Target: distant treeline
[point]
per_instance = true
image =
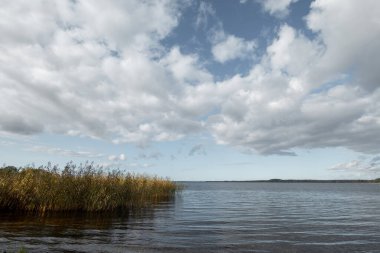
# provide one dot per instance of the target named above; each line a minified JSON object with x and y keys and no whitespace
{"x":323,"y":181}
{"x":83,"y":188}
{"x":377,"y":180}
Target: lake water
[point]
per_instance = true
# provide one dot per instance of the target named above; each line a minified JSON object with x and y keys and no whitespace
{"x":218,"y":217}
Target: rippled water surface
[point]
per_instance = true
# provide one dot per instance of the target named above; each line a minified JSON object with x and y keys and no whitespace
{"x":218,"y":217}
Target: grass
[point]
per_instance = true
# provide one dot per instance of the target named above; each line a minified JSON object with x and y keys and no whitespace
{"x":84,"y":188}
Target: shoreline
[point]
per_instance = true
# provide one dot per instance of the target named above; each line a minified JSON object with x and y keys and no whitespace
{"x":339,"y":181}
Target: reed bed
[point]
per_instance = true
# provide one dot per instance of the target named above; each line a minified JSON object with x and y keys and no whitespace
{"x":84,"y":188}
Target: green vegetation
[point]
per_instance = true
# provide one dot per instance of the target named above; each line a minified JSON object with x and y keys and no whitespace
{"x":22,"y":250}
{"x":377,"y":180}
{"x":85,"y":188}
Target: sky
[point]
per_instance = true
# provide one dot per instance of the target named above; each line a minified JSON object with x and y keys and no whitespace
{"x":193,"y":90}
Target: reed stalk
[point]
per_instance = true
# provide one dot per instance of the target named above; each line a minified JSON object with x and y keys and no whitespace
{"x":84,"y":188}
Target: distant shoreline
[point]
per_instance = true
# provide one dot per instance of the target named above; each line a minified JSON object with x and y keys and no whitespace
{"x":298,"y":181}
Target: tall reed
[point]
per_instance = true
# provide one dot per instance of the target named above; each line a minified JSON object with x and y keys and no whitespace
{"x":79,"y":188}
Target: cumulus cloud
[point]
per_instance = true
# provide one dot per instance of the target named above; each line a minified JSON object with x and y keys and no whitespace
{"x":10,"y":123}
{"x":232,"y":47}
{"x":185,"y":69}
{"x":63,"y":71}
{"x":226,"y":47}
{"x":350,"y":44}
{"x":308,"y":93}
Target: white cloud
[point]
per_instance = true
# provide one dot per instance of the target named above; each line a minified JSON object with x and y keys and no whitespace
{"x":184,"y":68}
{"x":309,"y":93}
{"x":205,"y":11}
{"x":278,"y":8}
{"x":365,"y":167}
{"x":352,"y":165}
{"x":63,"y":71}
{"x":351,"y":44}
{"x":121,"y":157}
{"x":64,"y":152}
{"x":232,"y":47}
{"x":140,"y":165}
{"x":116,"y":158}
{"x":292,"y":52}
{"x":112,"y":158}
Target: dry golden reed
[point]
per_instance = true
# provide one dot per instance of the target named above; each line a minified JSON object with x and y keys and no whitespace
{"x":84,"y":188}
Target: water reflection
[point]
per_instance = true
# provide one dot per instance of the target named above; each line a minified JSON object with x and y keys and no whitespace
{"x":78,"y":232}
{"x":217,"y":217}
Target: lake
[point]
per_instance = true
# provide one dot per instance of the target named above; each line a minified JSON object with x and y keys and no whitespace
{"x":217,"y":217}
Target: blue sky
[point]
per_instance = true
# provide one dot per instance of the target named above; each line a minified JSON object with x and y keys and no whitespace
{"x":193,"y":90}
